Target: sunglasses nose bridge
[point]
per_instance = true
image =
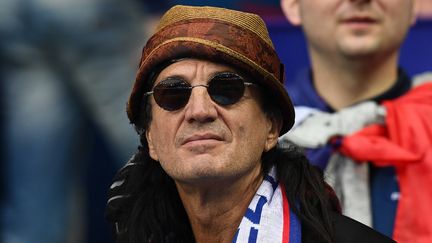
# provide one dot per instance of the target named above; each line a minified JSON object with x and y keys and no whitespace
{"x":199,"y":85}
{"x":199,"y":92}
{"x":205,"y":91}
{"x":200,"y":106}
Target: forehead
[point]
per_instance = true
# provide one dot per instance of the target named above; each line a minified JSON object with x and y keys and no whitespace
{"x":190,"y":68}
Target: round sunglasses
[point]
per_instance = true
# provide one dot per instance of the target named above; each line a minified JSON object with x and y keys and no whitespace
{"x":224,"y":88}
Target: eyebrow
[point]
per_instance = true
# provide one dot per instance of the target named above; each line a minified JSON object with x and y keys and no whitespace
{"x":175,"y":76}
{"x":211,"y":75}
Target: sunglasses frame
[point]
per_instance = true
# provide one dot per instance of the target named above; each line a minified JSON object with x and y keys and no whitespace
{"x":190,"y":87}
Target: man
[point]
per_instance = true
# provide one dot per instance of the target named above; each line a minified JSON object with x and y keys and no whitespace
{"x":354,"y":49}
{"x":209,"y":105}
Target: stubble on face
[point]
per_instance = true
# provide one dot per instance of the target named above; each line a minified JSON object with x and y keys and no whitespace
{"x":228,"y":144}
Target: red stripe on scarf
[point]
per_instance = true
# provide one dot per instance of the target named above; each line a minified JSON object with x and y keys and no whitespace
{"x":286,"y":217}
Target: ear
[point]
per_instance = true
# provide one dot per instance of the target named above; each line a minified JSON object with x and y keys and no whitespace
{"x":275,"y":125}
{"x":151,"y":147}
{"x":291,"y":10}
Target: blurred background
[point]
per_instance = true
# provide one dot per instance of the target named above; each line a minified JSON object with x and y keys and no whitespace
{"x":66,"y":70}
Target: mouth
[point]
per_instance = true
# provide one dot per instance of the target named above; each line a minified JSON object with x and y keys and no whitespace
{"x":206,"y":137}
{"x":359,"y":20}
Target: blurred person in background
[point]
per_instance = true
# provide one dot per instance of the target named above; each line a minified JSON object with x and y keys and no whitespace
{"x":66,"y":69}
{"x":361,"y":118}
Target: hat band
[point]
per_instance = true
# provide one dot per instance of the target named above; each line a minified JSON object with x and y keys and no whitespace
{"x":217,"y":47}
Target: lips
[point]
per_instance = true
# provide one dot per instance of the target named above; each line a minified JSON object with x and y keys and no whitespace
{"x":365,"y":20}
{"x":201,"y":137}
{"x":359,"y":18}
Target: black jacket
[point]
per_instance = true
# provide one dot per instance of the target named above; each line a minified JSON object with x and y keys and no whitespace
{"x":348,"y":230}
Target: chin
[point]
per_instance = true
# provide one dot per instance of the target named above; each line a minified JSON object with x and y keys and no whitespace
{"x":358,"y":51}
{"x":365,"y":43}
{"x":199,"y":175}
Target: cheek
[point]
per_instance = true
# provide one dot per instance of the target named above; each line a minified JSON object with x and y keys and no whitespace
{"x":242,"y":130}
{"x":252,"y":134}
{"x":398,"y":24}
{"x":153,"y":143}
{"x":162,"y":135}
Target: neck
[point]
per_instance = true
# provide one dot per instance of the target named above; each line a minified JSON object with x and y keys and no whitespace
{"x":342,"y":82}
{"x":215,"y":210}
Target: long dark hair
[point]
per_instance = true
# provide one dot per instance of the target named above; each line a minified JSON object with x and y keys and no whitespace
{"x":147,"y":207}
{"x":144,"y":204}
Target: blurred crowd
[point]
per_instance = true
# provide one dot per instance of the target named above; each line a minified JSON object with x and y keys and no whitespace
{"x":66,"y":69}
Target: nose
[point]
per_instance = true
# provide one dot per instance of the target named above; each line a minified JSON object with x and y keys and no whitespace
{"x":200,"y":107}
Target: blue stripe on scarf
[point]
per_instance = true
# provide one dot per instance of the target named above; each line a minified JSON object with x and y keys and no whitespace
{"x":253,"y":235}
{"x":255,"y":216}
{"x":272,"y":181}
{"x":295,"y":228}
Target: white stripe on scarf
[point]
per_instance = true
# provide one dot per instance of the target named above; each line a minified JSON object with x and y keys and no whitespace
{"x":264,"y":217}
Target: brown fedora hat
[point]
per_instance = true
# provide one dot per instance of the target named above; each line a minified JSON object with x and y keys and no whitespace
{"x":216,"y":34}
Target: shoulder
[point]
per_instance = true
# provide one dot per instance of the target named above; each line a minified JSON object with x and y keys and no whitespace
{"x":349,"y":230}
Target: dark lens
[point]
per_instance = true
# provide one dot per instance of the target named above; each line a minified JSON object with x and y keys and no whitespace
{"x":226,"y":88}
{"x":172,"y":94}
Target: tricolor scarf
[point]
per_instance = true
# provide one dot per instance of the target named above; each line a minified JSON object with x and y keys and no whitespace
{"x":268,"y":217}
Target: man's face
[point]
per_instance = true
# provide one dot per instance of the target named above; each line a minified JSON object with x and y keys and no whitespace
{"x":352,"y":28}
{"x":204,"y":141}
